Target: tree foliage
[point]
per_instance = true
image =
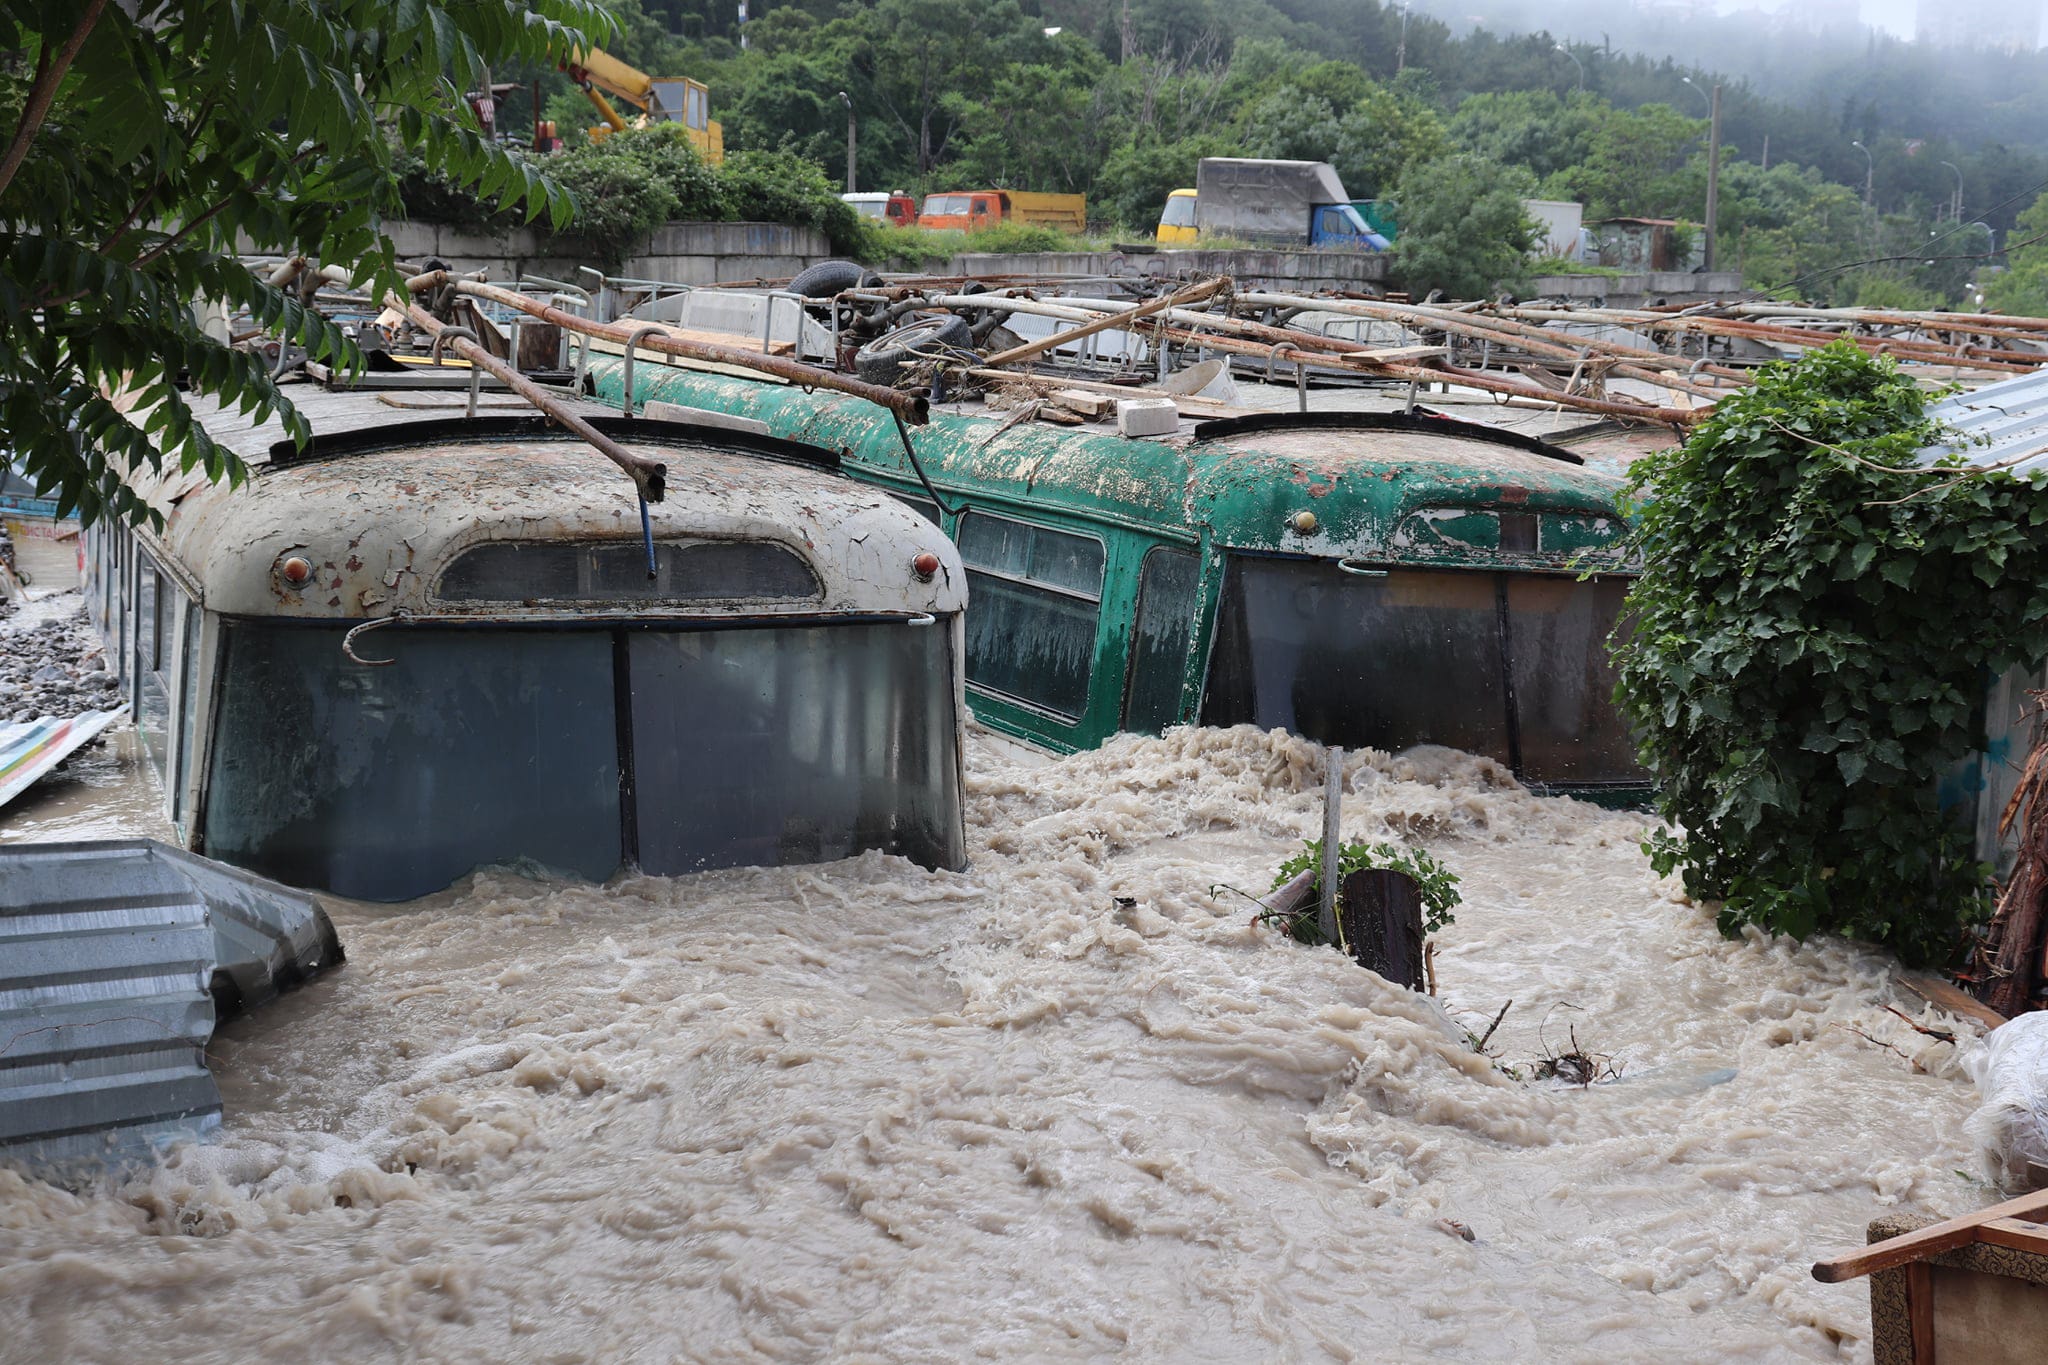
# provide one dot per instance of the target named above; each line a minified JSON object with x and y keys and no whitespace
{"x":2023,"y":286}
{"x":1113,"y":99}
{"x":1808,"y":645}
{"x":1463,"y":228}
{"x":146,"y":144}
{"x":634,"y":181}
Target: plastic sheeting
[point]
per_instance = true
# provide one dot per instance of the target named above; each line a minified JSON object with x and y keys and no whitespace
{"x":2011,"y":1127}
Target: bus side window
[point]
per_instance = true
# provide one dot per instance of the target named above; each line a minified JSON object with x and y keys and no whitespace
{"x":1035,"y":598}
{"x":155,"y":613}
{"x":1159,"y":640}
{"x":188,"y":690}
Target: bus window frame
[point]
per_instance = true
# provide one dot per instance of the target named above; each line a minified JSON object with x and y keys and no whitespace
{"x":1091,"y":701}
{"x":1197,"y":597}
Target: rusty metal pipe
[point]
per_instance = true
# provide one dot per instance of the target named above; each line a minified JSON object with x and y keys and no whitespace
{"x":626,"y":378}
{"x":1645,"y":366}
{"x":1438,"y":373}
{"x":1192,"y":294}
{"x":910,"y":407}
{"x":649,"y":476}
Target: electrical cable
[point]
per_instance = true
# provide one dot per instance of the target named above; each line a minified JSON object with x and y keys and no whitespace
{"x":918,"y":465}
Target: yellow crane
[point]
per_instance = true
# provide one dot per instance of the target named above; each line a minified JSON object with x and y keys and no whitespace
{"x":679,"y":100}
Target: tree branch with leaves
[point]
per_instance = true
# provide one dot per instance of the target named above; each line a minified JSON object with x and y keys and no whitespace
{"x":151,"y":145}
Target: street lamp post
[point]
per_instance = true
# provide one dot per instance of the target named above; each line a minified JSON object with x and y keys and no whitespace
{"x":1575,"y":62}
{"x":847,"y":100}
{"x":1956,"y":209}
{"x":1869,"y":174}
{"x":1713,"y":168}
{"x":1401,"y":51}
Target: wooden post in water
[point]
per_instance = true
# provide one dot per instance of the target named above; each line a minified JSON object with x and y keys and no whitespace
{"x":1382,"y":917}
{"x":1333,"y":820}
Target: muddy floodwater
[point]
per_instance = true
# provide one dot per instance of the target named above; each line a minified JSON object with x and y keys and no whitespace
{"x":863,"y":1112}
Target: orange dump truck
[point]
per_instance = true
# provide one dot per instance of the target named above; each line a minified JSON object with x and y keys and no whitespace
{"x":970,"y":209}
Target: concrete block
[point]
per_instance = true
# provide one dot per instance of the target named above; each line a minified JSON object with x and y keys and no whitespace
{"x":660,"y":411}
{"x":1147,"y":416}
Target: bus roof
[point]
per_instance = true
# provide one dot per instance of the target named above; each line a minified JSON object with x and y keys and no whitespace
{"x":1367,"y":478}
{"x":386,"y":498}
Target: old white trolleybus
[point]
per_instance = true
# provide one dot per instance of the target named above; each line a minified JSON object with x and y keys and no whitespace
{"x":428,"y":643}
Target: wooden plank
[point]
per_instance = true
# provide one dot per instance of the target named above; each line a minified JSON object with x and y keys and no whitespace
{"x":1948,"y":996}
{"x":1928,"y":1241}
{"x":1083,"y":402}
{"x":1397,"y":354}
{"x":2018,"y":1233}
{"x":1920,"y":1310}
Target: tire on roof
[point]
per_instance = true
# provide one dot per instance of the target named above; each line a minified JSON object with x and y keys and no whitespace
{"x":933,"y":336}
{"x":826,"y":278}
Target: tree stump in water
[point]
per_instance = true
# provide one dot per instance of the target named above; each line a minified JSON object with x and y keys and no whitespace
{"x":1382,"y":917}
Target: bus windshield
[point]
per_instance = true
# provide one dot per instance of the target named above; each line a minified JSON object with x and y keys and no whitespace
{"x":580,"y":750}
{"x":1512,"y":666}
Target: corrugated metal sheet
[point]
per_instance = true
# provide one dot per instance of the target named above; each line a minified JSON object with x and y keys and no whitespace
{"x":109,"y":953}
{"x":267,"y":938}
{"x":2000,"y":423}
{"x":105,"y":964}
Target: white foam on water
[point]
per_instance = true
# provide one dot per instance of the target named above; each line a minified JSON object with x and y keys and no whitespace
{"x":864,"y":1112}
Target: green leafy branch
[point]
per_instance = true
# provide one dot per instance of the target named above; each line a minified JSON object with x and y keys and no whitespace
{"x":1437,"y":884}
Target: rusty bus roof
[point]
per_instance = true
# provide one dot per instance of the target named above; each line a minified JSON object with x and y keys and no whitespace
{"x":386,"y":496}
{"x":1244,"y":484}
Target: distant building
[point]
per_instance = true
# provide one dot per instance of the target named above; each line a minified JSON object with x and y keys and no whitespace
{"x":2003,"y":25}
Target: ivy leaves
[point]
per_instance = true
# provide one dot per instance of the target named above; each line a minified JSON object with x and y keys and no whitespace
{"x":1815,"y":625}
{"x":1437,"y":884}
{"x":181,"y":134}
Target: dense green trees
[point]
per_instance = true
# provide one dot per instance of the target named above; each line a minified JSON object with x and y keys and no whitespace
{"x":1463,"y":229}
{"x":1121,"y":100}
{"x":2023,"y":287}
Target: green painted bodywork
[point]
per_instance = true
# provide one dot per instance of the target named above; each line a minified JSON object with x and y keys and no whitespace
{"x":1379,"y":498}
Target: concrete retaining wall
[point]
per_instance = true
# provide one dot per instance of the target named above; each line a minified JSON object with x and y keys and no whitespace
{"x":1634,"y":291}
{"x":681,"y":253}
{"x":1277,"y":270}
{"x":721,"y":253}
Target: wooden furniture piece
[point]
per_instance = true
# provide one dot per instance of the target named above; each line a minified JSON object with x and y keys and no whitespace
{"x":1970,"y":1291}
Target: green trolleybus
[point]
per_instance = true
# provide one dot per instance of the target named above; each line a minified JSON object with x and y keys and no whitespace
{"x":1380,"y":580}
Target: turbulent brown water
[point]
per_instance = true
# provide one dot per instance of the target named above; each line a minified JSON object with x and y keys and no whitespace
{"x":862,"y":1112}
